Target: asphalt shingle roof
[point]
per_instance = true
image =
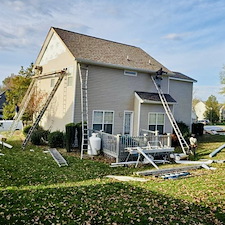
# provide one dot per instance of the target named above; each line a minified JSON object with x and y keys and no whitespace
{"x":149,"y":96}
{"x":105,"y":51}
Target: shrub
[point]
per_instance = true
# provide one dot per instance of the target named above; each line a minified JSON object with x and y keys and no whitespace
{"x":70,"y":135}
{"x":198,"y":128}
{"x":184,"y":129}
{"x":55,"y":139}
{"x":38,"y":136}
{"x":26,"y":129}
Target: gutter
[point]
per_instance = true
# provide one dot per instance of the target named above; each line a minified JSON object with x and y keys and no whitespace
{"x":115,"y":66}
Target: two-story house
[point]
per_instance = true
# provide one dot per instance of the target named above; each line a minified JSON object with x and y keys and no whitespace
{"x":122,"y":98}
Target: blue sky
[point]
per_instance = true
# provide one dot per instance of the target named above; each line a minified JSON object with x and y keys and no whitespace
{"x":184,"y":35}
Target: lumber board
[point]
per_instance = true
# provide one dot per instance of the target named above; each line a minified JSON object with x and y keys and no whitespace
{"x":216,"y":151}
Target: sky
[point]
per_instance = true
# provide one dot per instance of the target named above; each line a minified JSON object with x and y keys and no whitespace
{"x":186,"y":36}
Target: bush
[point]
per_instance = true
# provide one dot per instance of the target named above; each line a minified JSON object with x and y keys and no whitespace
{"x":38,"y":136}
{"x":70,"y":135}
{"x":26,"y":129}
{"x":184,"y":129}
{"x":198,"y":128}
{"x":55,"y":139}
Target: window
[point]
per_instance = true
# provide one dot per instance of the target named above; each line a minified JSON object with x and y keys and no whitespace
{"x":156,"y":122}
{"x":103,"y":120}
{"x":130,"y":73}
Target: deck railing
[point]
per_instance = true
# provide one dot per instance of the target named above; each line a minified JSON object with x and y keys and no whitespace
{"x":114,"y":145}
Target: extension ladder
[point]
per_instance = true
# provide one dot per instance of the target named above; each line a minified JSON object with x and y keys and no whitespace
{"x":173,"y":122}
{"x":62,"y":73}
{"x":23,"y":107}
{"x":84,"y":108}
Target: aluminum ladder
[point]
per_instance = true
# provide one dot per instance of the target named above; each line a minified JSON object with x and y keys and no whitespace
{"x":183,"y":143}
{"x":24,"y":103}
{"x":58,"y":157}
{"x":62,"y":73}
{"x":83,"y":72}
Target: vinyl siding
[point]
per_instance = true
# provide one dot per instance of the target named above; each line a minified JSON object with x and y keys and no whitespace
{"x":147,"y":108}
{"x":181,"y":91}
{"x":110,"y":89}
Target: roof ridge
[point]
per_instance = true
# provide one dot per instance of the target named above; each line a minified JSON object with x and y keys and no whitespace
{"x":90,"y":36}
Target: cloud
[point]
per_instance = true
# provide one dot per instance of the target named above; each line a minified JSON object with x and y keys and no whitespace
{"x":176,"y":37}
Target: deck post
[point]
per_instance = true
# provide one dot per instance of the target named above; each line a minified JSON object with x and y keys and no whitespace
{"x":117,"y":147}
{"x":168,"y":140}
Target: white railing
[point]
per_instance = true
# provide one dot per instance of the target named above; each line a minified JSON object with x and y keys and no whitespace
{"x":114,"y":145}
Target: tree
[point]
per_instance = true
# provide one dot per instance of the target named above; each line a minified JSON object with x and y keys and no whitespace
{"x":212,"y":109}
{"x":16,"y":87}
{"x":222,"y":80}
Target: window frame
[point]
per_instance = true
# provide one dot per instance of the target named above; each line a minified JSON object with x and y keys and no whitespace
{"x":132,"y":121}
{"x":157,"y":124}
{"x":130,"y":73}
{"x":103,"y":119}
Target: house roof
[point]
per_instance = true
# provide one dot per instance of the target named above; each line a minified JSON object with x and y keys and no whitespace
{"x":100,"y":50}
{"x":149,"y":96}
{"x":181,"y":76}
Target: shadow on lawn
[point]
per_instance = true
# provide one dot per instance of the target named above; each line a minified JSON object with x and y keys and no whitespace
{"x":106,"y":203}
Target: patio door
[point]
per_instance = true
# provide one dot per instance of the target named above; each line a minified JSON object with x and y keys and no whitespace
{"x":128,"y":123}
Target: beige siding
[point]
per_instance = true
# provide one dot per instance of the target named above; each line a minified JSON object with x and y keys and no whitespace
{"x":60,"y":110}
{"x":181,"y":91}
{"x":110,"y":89}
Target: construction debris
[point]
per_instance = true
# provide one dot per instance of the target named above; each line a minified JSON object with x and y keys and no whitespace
{"x":127,"y":178}
{"x":167,"y":170}
{"x":175,"y":175}
{"x":58,"y":157}
{"x":5,"y":144}
{"x":212,"y":154}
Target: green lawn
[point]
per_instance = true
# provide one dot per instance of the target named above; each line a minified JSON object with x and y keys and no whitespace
{"x":34,"y":190}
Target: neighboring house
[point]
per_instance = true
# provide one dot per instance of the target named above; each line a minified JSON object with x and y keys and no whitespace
{"x":122,"y":98}
{"x":2,"y":101}
{"x":200,"y":109}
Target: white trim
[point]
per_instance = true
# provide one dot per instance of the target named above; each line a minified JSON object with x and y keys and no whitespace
{"x":75,"y":73}
{"x":100,"y":110}
{"x":132,"y":121}
{"x":158,"y":102}
{"x":131,"y":73}
{"x":180,"y":79}
{"x":138,"y":118}
{"x":138,"y":97}
{"x":110,"y":65}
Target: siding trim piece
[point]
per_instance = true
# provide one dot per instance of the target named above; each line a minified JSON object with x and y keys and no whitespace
{"x":180,"y":79}
{"x":138,"y":112}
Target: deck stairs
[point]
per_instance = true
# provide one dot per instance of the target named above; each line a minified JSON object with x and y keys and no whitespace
{"x":172,"y":120}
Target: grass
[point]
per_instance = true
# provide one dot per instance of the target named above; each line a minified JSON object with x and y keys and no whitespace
{"x":34,"y":190}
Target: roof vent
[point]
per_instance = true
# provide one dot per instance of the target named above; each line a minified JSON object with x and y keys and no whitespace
{"x":149,"y":61}
{"x":128,"y":58}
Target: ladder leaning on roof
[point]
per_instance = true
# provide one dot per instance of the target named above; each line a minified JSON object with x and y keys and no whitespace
{"x":83,"y":72}
{"x":62,"y":73}
{"x":23,"y":106}
{"x":172,"y":120}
